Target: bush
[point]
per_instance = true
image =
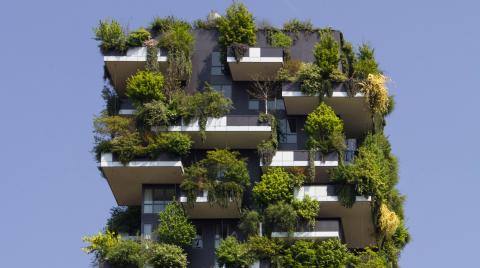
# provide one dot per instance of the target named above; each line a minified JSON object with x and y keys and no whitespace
{"x":127,"y":147}
{"x":312,"y":82}
{"x":370,"y":259}
{"x":144,"y":87}
{"x":279,"y":39}
{"x":366,"y":63}
{"x":289,"y":71}
{"x":296,"y":26}
{"x":388,"y":221}
{"x":174,"y":227}
{"x":281,"y":217}
{"x":108,"y":126}
{"x":155,"y":113}
{"x":237,"y":26}
{"x":262,"y":247}
{"x":165,"y":255}
{"x":300,"y":255}
{"x":136,"y":38}
{"x":233,"y":254}
{"x":307,"y":209}
{"x":100,"y":244}
{"x":239,"y":51}
{"x":250,"y":222}
{"x":325,"y":130}
{"x":125,"y":254}
{"x":332,"y":253}
{"x":276,"y":185}
{"x":376,"y":93}
{"x":327,"y":54}
{"x":125,"y":220}
{"x":172,"y":142}
{"x":178,"y":39}
{"x":160,"y":25}
{"x":111,"y":35}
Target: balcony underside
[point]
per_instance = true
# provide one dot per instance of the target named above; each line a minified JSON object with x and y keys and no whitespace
{"x":229,"y":138}
{"x":248,"y":70}
{"x":126,"y":181}
{"x":352,"y":110}
{"x":202,"y":209}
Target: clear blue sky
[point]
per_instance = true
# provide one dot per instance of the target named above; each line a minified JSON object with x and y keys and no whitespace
{"x":51,"y":193}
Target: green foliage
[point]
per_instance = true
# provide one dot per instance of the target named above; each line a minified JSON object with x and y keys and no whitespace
{"x":124,"y":220}
{"x":348,"y":58}
{"x":221,"y":173}
{"x":370,"y":259}
{"x":262,"y":247}
{"x":237,"y":26}
{"x":151,"y":63}
{"x":289,"y":71}
{"x":144,"y":87}
{"x":312,"y":82}
{"x":332,"y":253}
{"x":300,"y":255}
{"x":279,"y":39}
{"x":174,"y":227}
{"x":366,"y":63}
{"x":327,"y":54}
{"x":166,"y":255}
{"x":100,"y":244}
{"x":325,"y":130}
{"x":307,"y":209}
{"x":202,"y":105}
{"x":160,"y":25}
{"x":112,"y":102}
{"x":233,"y":254}
{"x":276,"y":185}
{"x":136,"y":38}
{"x":155,"y":113}
{"x":374,"y":171}
{"x":250,"y":222}
{"x":111,"y":35}
{"x":110,"y":126}
{"x":178,"y":39}
{"x":127,"y":147}
{"x":281,"y":217}
{"x":267,"y":148}
{"x":239,"y":51}
{"x":296,"y":26}
{"x":124,"y":254}
{"x":172,"y":142}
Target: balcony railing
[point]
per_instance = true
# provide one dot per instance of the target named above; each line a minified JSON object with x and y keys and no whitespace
{"x":322,"y":229}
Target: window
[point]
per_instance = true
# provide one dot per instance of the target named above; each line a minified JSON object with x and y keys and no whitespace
{"x":225,"y":89}
{"x":198,"y":241}
{"x":288,"y":128}
{"x":147,"y":231}
{"x":253,"y":104}
{"x":217,"y":66}
{"x":155,"y":200}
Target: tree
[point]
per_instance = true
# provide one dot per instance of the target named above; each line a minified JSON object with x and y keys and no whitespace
{"x":145,"y":87}
{"x":174,"y":227}
{"x":233,"y":254}
{"x":300,"y":255}
{"x":263,"y":88}
{"x":277,"y":185}
{"x":237,"y":26}
{"x":124,"y":220}
{"x":166,"y":255}
{"x":333,"y":254}
{"x":281,"y":217}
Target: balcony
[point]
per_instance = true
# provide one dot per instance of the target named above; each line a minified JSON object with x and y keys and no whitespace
{"x":352,"y":110}
{"x":322,"y":230}
{"x":202,"y":209}
{"x":232,"y":131}
{"x":121,"y":68}
{"x":126,"y":180}
{"x":257,"y":62}
{"x":357,"y":225}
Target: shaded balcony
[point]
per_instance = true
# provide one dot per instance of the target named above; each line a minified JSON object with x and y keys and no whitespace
{"x":202,"y":209}
{"x":257,"y":62}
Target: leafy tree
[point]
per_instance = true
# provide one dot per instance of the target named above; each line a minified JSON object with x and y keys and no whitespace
{"x":365,"y":63}
{"x":100,"y":244}
{"x":300,"y":255}
{"x":166,"y":255}
{"x":325,"y":130}
{"x":307,"y":209}
{"x":111,"y":35}
{"x":249,"y":223}
{"x":281,"y":217}
{"x":370,"y":259}
{"x":263,"y":248}
{"x":136,"y":38}
{"x":144,"y":87}
{"x":279,"y":39}
{"x":174,"y":227}
{"x":124,"y":254}
{"x":155,"y":113}
{"x":160,"y":25}
{"x":237,"y":26}
{"x":332,"y":253}
{"x":178,"y":38}
{"x":276,"y":185}
{"x":127,"y":147}
{"x":124,"y":220}
{"x":327,"y":54}
{"x":376,"y":93}
{"x":233,"y":254}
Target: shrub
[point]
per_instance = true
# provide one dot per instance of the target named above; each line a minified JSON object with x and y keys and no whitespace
{"x":172,"y":142}
{"x":327,"y":54}
{"x":296,"y":26}
{"x":100,"y":244}
{"x":266,"y":150}
{"x":348,"y":59}
{"x":111,"y":35}
{"x":300,"y":255}
{"x":155,"y":113}
{"x":370,"y":259}
{"x":136,"y":38}
{"x":174,"y":227}
{"x":237,"y":26}
{"x":108,"y":126}
{"x":178,"y":39}
{"x":125,"y":220}
{"x":325,"y":130}
{"x":312,"y":82}
{"x":276,"y":185}
{"x":332,"y":253}
{"x":144,"y":87}
{"x":307,"y":209}
{"x":262,"y":247}
{"x":289,"y":71}
{"x":279,"y":39}
{"x":125,"y":253}
{"x":127,"y":147}
{"x":388,"y":221}
{"x":376,"y":93}
{"x":233,"y":254}
{"x":366,"y":63}
{"x":239,"y":51}
{"x":281,"y":217}
{"x":159,"y":25}
{"x":250,"y":222}
{"x":165,"y":255}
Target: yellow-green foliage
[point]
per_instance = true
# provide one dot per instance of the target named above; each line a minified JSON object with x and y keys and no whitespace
{"x":276,"y":185}
{"x":136,"y":38}
{"x":388,"y":221}
{"x":307,"y":209}
{"x":111,"y":125}
{"x":325,"y":130}
{"x":237,"y":26}
{"x":145,"y":87}
{"x":376,"y":93}
{"x":112,"y":36}
{"x":100,"y":244}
